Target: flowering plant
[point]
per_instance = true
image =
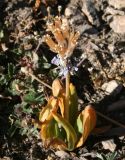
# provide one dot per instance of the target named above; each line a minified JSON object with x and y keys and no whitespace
{"x":62,"y":126}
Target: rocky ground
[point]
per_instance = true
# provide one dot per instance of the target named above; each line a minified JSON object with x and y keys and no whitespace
{"x":100,"y":80}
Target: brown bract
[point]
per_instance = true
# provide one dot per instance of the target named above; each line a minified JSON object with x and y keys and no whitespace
{"x":64,"y":39}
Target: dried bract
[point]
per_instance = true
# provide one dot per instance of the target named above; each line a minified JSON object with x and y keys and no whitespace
{"x":64,"y":38}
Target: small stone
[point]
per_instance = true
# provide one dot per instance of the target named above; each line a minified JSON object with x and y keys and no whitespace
{"x":68,"y":12}
{"x":112,"y":86}
{"x":109,"y":144}
{"x":4,"y":47}
{"x":62,"y":154}
{"x":121,"y":137}
{"x":118,"y":24}
{"x":111,"y":47}
{"x":50,"y":158}
{"x":5,"y":158}
{"x":112,"y":11}
{"x":117,"y":3}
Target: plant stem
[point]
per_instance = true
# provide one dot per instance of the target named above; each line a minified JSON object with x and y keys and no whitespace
{"x":111,"y":120}
{"x":43,"y":83}
{"x":66,"y":110}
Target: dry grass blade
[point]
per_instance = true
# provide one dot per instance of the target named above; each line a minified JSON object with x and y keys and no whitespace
{"x":110,"y":119}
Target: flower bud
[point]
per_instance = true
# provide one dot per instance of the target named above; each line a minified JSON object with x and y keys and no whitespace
{"x":56,"y":87}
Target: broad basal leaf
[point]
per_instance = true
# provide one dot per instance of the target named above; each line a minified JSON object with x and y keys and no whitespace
{"x":70,"y":132}
{"x":52,"y":135}
{"x":61,"y":103}
{"x":89,"y":122}
{"x":79,"y":125}
{"x":49,"y":131}
{"x":46,"y":113}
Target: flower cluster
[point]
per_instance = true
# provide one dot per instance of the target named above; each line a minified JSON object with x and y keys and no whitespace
{"x":62,"y":41}
{"x":64,"y":69}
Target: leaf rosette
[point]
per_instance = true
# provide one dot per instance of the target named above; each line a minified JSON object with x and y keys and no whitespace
{"x":59,"y":132}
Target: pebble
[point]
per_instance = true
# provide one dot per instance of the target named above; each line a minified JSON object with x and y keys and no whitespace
{"x":111,"y":47}
{"x":5,"y":158}
{"x":118,"y":24}
{"x":109,"y":144}
{"x":119,"y":4}
{"x":112,"y":87}
{"x":62,"y":154}
{"x":68,"y":12}
{"x":112,"y":11}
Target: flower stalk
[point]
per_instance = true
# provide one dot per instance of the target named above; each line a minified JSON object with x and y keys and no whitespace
{"x":66,"y":113}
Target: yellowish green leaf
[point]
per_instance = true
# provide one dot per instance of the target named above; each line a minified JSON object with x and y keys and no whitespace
{"x":61,"y":103}
{"x":89,"y":122}
{"x":46,"y":113}
{"x":49,"y":131}
{"x":79,"y":125}
{"x":70,"y":132}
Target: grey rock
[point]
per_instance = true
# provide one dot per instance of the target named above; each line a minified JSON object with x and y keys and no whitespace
{"x":112,"y":87}
{"x":109,"y":144}
{"x":112,"y":11}
{"x":117,"y":3}
{"x":118,"y":24}
{"x":62,"y":154}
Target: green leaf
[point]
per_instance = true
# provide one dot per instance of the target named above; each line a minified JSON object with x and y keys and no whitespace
{"x":70,"y":132}
{"x":12,"y":130}
{"x":10,"y":70}
{"x":46,"y":65}
{"x":109,"y":156}
{"x":49,"y":130}
{"x":33,"y":97}
{"x":52,"y":129}
{"x":1,"y":34}
{"x":112,"y":156}
{"x":89,"y":122}
{"x":27,"y":109}
{"x":79,"y":124}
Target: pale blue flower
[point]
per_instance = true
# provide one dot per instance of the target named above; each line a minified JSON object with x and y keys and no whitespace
{"x":63,"y":69}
